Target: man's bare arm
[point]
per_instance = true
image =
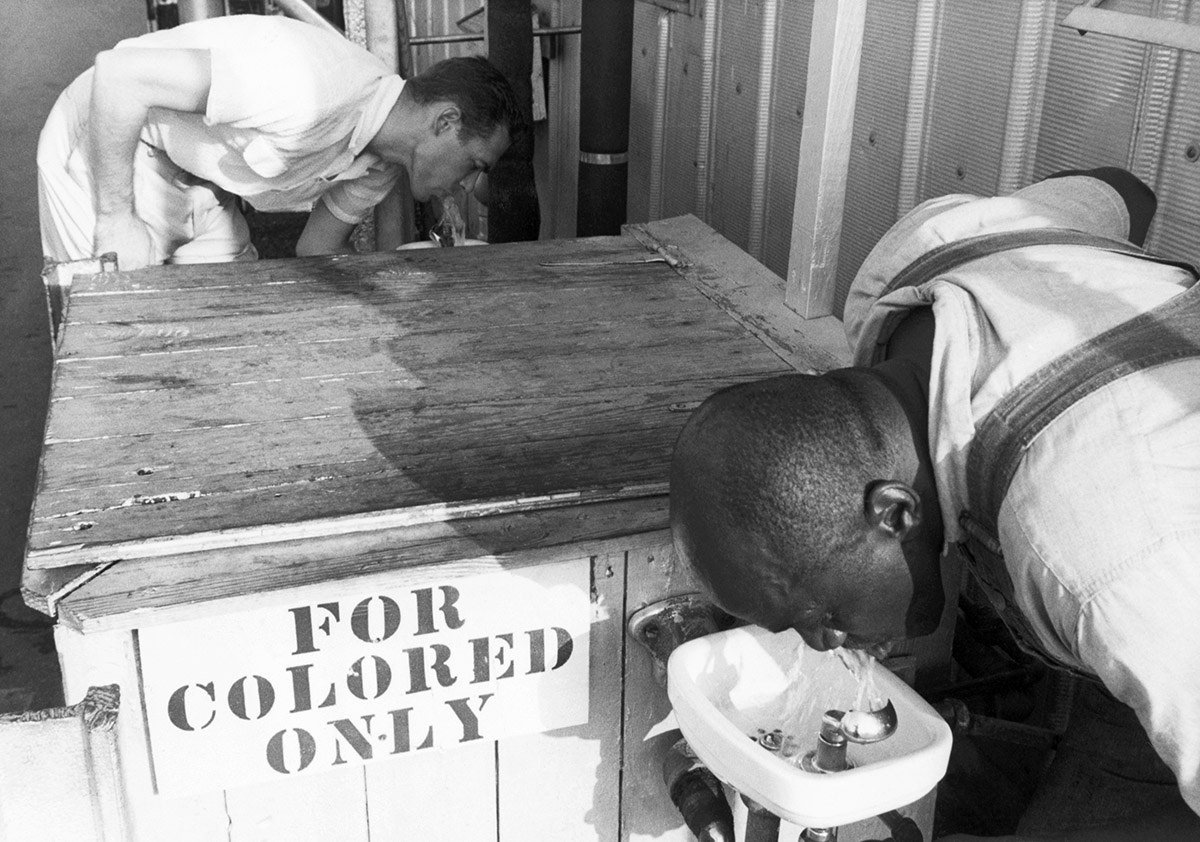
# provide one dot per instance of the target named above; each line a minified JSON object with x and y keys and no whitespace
{"x":324,"y":233}
{"x":126,"y":85}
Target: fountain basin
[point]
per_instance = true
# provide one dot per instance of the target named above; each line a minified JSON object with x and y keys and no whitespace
{"x":727,"y":687}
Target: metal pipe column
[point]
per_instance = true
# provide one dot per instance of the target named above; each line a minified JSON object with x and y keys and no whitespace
{"x":606,"y":59}
{"x":513,"y":212}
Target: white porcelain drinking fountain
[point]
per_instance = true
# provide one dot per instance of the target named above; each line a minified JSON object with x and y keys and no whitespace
{"x":819,"y":739}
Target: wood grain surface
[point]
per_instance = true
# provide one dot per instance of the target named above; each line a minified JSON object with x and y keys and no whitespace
{"x":224,"y":400}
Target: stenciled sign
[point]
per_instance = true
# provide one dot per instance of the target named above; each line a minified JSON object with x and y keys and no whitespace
{"x":310,"y":685}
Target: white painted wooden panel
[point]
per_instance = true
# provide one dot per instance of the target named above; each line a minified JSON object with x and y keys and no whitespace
{"x":563,"y":784}
{"x":646,"y":806}
{"x":400,"y":806}
{"x":111,"y":658}
{"x":328,"y":805}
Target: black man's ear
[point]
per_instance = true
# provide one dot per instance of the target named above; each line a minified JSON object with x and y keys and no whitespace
{"x":893,"y":507}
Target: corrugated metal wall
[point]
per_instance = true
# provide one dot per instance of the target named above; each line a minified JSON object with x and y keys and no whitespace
{"x":783,"y":148}
{"x":873,"y":185}
{"x":1102,"y":101}
{"x":695,"y":124}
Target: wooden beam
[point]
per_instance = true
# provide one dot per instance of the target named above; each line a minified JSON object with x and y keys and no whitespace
{"x":1132,"y":27}
{"x":833,"y":61}
{"x":387,"y":38}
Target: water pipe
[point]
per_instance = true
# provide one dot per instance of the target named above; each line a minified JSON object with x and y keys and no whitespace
{"x":697,"y":794}
{"x":606,"y":71}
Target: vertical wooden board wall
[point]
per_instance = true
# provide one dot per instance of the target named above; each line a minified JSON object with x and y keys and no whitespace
{"x":564,"y":784}
{"x":111,"y":658}
{"x":680,"y":117}
{"x":312,"y":808}
{"x":434,"y":796}
{"x":969,"y":101}
{"x":646,"y":809}
{"x":734,"y":118}
{"x":873,"y":183}
{"x":643,"y":116}
{"x":559,"y":194}
{"x":787,"y":117}
{"x":1091,"y":100}
{"x":685,"y":80}
{"x":1178,"y":217}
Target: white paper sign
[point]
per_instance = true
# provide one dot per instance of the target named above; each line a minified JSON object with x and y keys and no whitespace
{"x":308,"y":686}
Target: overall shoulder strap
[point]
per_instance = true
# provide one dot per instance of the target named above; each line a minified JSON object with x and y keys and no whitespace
{"x":949,"y":256}
{"x":1169,"y":332}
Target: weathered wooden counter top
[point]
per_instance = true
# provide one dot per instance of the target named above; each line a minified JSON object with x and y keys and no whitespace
{"x":209,"y":421}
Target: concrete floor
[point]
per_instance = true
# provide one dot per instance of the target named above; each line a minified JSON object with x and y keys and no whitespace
{"x":28,"y":666}
{"x":43,"y":46}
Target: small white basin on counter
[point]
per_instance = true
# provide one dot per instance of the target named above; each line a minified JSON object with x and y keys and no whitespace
{"x":727,"y":686}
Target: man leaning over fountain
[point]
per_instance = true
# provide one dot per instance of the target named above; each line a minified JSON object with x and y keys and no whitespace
{"x":824,"y":503}
{"x":147,"y":153}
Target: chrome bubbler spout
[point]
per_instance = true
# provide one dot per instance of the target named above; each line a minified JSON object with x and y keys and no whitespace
{"x":839,"y":728}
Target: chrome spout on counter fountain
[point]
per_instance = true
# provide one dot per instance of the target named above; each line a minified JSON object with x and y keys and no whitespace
{"x":839,"y":728}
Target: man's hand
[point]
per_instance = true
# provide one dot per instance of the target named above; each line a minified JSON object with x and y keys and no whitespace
{"x":129,"y":237}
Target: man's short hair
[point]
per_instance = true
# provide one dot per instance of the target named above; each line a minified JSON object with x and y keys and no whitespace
{"x":785,"y":460}
{"x":480,"y":91}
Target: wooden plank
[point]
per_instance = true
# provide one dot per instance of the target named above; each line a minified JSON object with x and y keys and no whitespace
{"x":749,"y":292}
{"x":111,"y":658}
{"x":325,"y":402}
{"x":135,"y":593}
{"x":1131,"y":26}
{"x":303,"y":502}
{"x":41,"y":590}
{"x":439,"y":796}
{"x":646,"y":809}
{"x":131,"y":327}
{"x":825,"y":141}
{"x":406,"y":428}
{"x":167,"y":317}
{"x":436,"y":268}
{"x":440,"y":365}
{"x":564,"y":784}
{"x":563,"y":125}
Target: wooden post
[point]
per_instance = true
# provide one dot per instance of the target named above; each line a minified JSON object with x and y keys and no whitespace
{"x":387,"y":37}
{"x":833,"y":60}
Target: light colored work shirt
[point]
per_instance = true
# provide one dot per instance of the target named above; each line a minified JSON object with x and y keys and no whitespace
{"x":1101,"y":525}
{"x":290,"y":112}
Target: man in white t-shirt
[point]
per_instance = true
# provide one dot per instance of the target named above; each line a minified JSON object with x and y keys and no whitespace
{"x":822,"y":503}
{"x":147,"y":152}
